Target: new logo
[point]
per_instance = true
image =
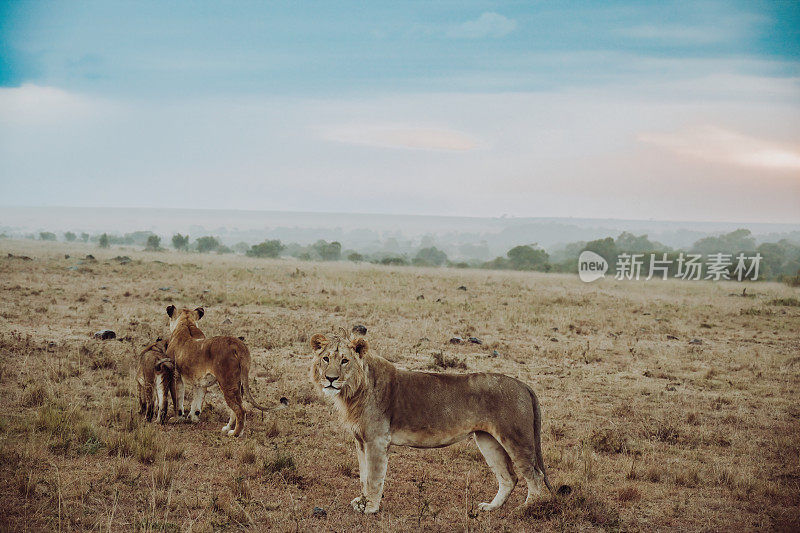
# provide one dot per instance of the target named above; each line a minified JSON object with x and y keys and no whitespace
{"x":591,"y":266}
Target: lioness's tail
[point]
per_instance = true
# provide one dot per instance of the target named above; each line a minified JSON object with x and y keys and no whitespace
{"x":244,"y":372}
{"x":537,"y":443}
{"x":537,"y":438}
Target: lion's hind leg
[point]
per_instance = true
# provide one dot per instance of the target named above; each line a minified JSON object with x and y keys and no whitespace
{"x":500,"y":463}
{"x":523,"y":457}
{"x":233,"y":398}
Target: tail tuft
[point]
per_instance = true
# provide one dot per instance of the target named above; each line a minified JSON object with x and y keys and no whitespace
{"x":564,"y":490}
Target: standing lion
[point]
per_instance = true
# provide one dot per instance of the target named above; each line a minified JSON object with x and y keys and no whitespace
{"x":200,"y":360}
{"x":384,"y":405}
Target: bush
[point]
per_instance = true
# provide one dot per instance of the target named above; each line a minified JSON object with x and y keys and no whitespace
{"x":355,"y":257}
{"x":153,"y":243}
{"x":69,"y":236}
{"x":103,"y":242}
{"x":47,"y":236}
{"x":396,"y":261}
{"x":207,"y":244}
{"x":180,"y":242}
{"x":266,"y":249}
{"x":431,"y":256}
{"x":328,"y":251}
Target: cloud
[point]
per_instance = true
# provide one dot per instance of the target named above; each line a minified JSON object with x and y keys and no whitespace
{"x":395,"y":136}
{"x":489,"y":24}
{"x":36,"y":104}
{"x":688,"y":35}
{"x":719,"y":145}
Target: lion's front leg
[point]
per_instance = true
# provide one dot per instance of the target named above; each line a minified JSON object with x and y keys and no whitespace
{"x":362,"y":474}
{"x":376,"y":457}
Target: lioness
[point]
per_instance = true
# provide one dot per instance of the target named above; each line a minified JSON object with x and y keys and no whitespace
{"x":384,"y":405}
{"x":200,"y":361}
{"x":155,"y":381}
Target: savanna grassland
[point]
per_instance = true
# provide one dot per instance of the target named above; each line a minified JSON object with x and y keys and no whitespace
{"x":653,"y":429}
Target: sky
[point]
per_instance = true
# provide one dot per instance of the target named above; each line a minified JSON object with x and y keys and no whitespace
{"x":631,"y":110}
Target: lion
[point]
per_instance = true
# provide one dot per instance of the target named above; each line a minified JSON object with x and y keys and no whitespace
{"x":201,"y":361}
{"x":383,"y":406}
{"x":155,"y":380}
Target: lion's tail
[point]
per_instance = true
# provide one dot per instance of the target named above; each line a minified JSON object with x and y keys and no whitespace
{"x":244,"y":372}
{"x":537,"y":442}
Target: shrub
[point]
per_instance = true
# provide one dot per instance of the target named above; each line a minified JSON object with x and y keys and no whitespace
{"x":431,"y":256}
{"x":153,"y":243}
{"x":266,"y":249}
{"x":207,"y":244}
{"x":180,"y":242}
{"x":103,"y":242}
{"x":47,"y":236}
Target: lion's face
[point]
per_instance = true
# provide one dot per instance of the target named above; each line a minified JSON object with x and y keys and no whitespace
{"x":338,"y":366}
{"x":189,"y":316}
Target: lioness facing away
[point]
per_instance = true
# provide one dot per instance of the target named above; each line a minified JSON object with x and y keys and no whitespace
{"x":200,"y":360}
{"x":155,"y":381}
{"x":384,"y":405}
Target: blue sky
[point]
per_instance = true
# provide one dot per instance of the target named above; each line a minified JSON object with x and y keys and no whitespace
{"x":612,"y":109}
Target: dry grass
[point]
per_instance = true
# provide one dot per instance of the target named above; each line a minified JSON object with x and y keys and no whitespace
{"x":652,"y":432}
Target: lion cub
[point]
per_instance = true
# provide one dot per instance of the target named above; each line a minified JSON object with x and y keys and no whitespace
{"x":155,"y":380}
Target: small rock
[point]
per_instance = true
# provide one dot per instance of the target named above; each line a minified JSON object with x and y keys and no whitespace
{"x":670,"y":388}
{"x":66,"y":256}
{"x":90,"y":258}
{"x":73,"y":268}
{"x":105,"y":334}
{"x":672,"y":337}
{"x":164,"y":288}
{"x":102,"y":288}
{"x":206,"y":291}
{"x":421,"y":297}
{"x":475,"y":340}
{"x":554,"y":329}
{"x":695,"y":341}
{"x":456,"y":340}
{"x":424,"y":339}
{"x":359,"y":329}
{"x":319,"y":512}
{"x":462,"y":288}
{"x":106,"y":300}
{"x":553,"y":339}
{"x":226,"y":322}
{"x":284,"y":400}
{"x":564,"y":490}
{"x":438,"y":300}
{"x":495,"y":353}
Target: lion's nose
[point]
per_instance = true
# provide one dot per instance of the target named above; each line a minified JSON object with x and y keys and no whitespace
{"x":331,"y":379}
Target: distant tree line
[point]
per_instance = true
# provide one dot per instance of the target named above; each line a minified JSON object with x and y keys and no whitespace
{"x":779,"y":260}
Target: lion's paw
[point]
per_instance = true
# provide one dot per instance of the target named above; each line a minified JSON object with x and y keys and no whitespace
{"x":225,"y":429}
{"x":487,"y":507}
{"x":231,"y":432}
{"x":362,"y":505}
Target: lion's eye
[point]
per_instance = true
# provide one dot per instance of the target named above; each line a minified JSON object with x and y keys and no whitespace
{"x":325,"y":359}
{"x":344,"y":361}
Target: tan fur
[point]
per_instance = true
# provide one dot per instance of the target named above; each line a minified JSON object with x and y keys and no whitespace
{"x":155,"y":381}
{"x":384,"y":406}
{"x":200,"y":361}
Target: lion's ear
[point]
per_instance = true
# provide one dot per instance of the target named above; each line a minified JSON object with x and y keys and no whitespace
{"x":170,"y":310}
{"x":360,"y":346}
{"x":200,"y":312}
{"x":318,"y":341}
